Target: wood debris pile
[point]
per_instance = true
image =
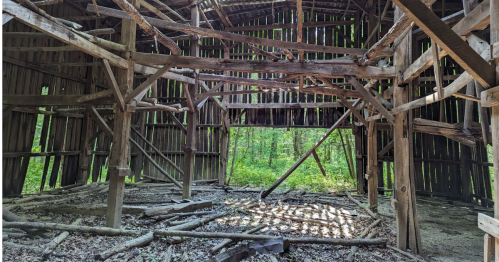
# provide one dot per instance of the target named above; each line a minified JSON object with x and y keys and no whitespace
{"x":219,"y":223}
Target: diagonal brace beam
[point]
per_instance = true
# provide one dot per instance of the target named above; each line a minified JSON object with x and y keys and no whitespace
{"x":448,"y":40}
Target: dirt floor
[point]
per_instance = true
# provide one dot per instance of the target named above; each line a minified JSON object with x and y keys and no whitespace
{"x":449,"y":232}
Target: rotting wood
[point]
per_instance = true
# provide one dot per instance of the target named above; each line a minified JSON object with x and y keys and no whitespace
{"x":186,"y":207}
{"x":448,"y":40}
{"x":59,"y":32}
{"x":256,"y":66}
{"x":230,"y":241}
{"x":235,"y":37}
{"x":303,"y":240}
{"x":136,"y":242}
{"x":477,"y":19}
{"x":371,"y":99}
{"x":369,"y":211}
{"x":72,"y":228}
{"x":402,"y":23}
{"x":58,"y":240}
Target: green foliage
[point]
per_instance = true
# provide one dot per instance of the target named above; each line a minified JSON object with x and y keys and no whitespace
{"x":255,"y":150}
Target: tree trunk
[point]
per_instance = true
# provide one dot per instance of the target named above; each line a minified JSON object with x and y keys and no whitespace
{"x":346,"y":155}
{"x":234,"y":152}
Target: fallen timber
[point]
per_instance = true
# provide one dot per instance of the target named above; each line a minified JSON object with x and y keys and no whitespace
{"x":302,"y":240}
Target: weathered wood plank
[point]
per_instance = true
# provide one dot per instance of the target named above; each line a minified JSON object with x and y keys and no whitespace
{"x":234,"y":37}
{"x":59,"y":32}
{"x":448,"y":40}
{"x":371,"y":99}
{"x":254,"y":66}
{"x":490,"y":97}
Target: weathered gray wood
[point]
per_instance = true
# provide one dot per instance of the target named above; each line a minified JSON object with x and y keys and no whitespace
{"x":490,"y":97}
{"x":477,"y":19}
{"x":255,"y":66}
{"x":488,"y":224}
{"x":136,"y":242}
{"x":235,"y":37}
{"x":137,"y":92}
{"x":72,"y":228}
{"x":185,"y":207}
{"x":59,"y":32}
{"x":58,"y":240}
{"x":113,"y":85}
{"x":158,"y":151}
{"x":448,"y":40}
{"x":359,"y":87}
{"x":304,"y":240}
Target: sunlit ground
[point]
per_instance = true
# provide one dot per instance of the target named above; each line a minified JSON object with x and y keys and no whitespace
{"x":318,"y":221}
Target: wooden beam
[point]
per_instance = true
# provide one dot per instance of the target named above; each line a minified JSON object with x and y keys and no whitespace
{"x":437,"y":69}
{"x":449,"y":90}
{"x":221,"y":13}
{"x":146,"y":26}
{"x":158,"y":151}
{"x":398,"y":28}
{"x":309,"y":152}
{"x":147,"y":70}
{"x":264,"y":53}
{"x":401,"y":144}
{"x":385,"y":149}
{"x":59,"y":32}
{"x":52,"y":100}
{"x":448,"y":40}
{"x":477,"y":19}
{"x":177,"y":122}
{"x":318,"y":160}
{"x":146,"y":84}
{"x":488,"y":224}
{"x":192,"y":116}
{"x":371,"y":99}
{"x":236,"y":37}
{"x":490,"y":97}
{"x":284,"y":105}
{"x":290,"y":26}
{"x":113,"y":85}
{"x":253,"y":66}
{"x":372,"y":166}
{"x":346,"y":103}
{"x":245,"y":81}
{"x":211,"y":92}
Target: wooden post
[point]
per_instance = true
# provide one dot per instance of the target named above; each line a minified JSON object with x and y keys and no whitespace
{"x":372,"y":166}
{"x":122,"y":120}
{"x":401,"y":153}
{"x":192,"y":116}
{"x":224,"y":147}
{"x":494,"y":38}
{"x":358,"y":159}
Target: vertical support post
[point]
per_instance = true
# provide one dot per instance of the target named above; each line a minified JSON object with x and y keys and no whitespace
{"x":192,"y":116}
{"x":372,"y":166}
{"x":139,"y":159}
{"x":494,"y":38}
{"x":358,"y":159}
{"x":224,"y":148}
{"x":122,"y":120}
{"x":401,"y":146}
{"x":488,"y":247}
{"x":84,"y":159}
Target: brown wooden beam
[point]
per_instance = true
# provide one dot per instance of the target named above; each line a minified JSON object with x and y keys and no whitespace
{"x":324,"y":70}
{"x":235,"y":37}
{"x":448,"y":40}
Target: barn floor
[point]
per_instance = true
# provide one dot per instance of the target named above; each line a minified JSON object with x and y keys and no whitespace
{"x":449,"y":232}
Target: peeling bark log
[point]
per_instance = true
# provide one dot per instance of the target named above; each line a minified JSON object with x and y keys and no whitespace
{"x":71,"y":228}
{"x":136,"y":242}
{"x":165,"y":210}
{"x":56,"y":241}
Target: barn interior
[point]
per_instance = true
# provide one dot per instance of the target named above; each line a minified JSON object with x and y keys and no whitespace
{"x":149,"y":90}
